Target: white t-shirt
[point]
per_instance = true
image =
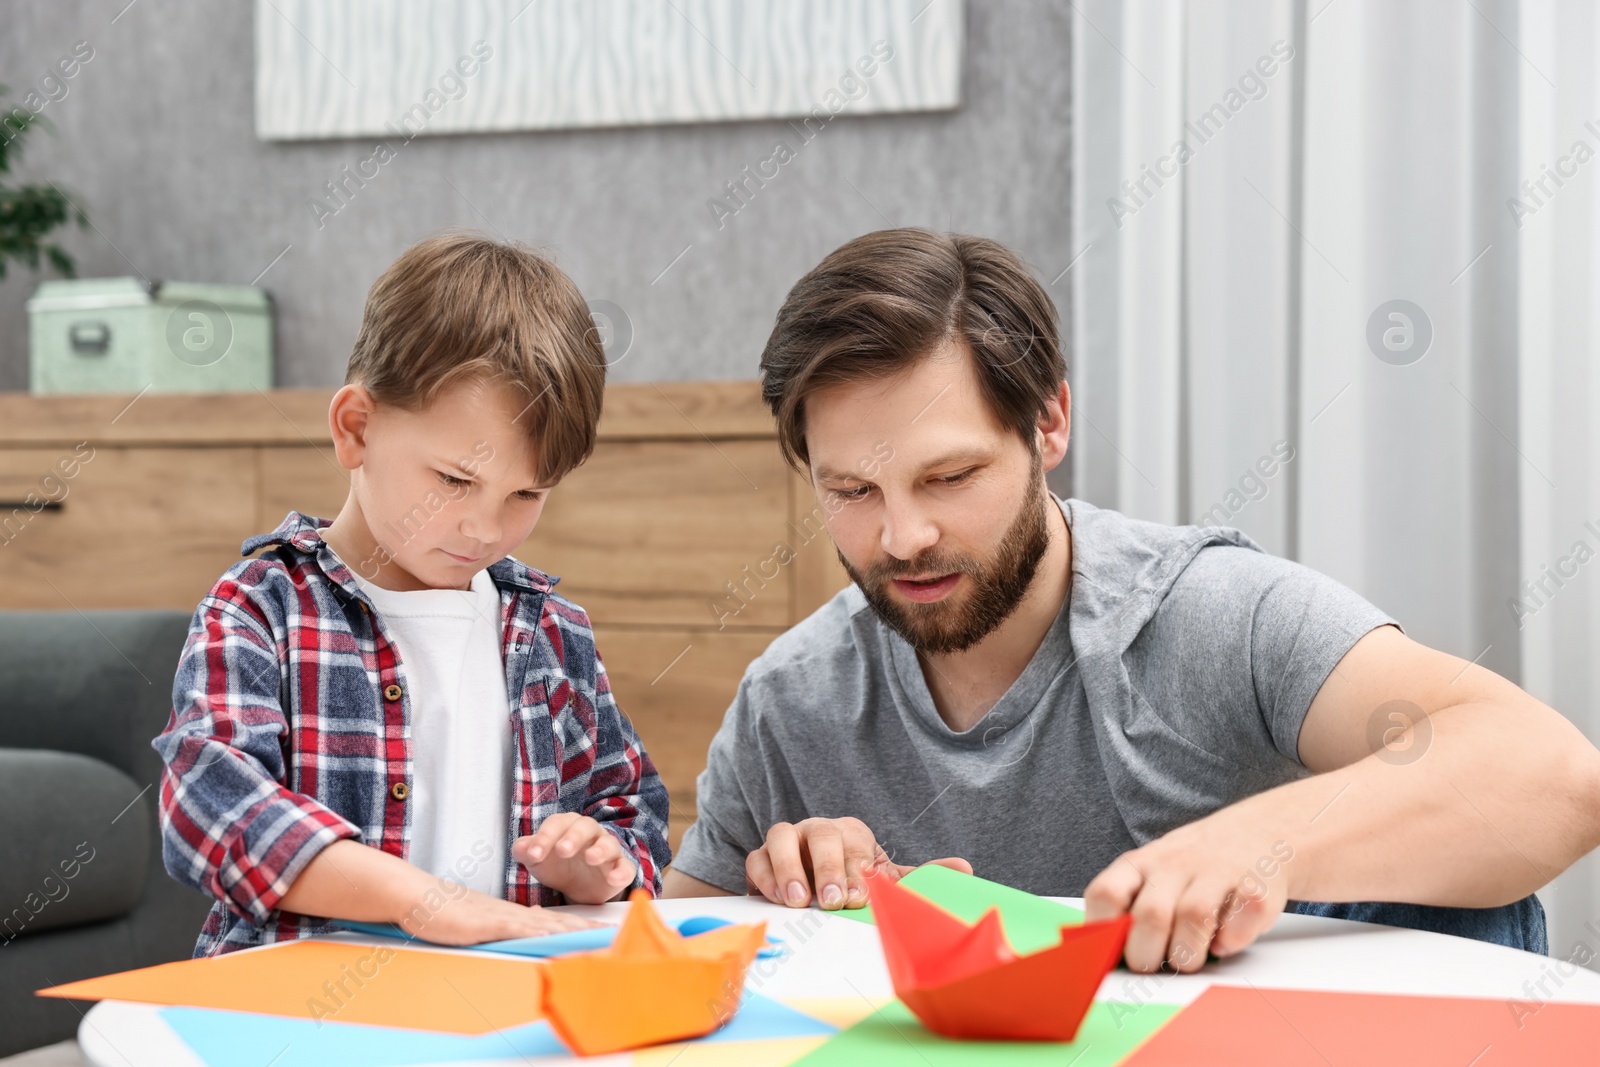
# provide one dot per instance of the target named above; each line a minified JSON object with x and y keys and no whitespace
{"x":450,"y":654}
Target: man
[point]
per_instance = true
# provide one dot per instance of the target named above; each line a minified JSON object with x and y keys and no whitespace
{"x":1165,"y":720}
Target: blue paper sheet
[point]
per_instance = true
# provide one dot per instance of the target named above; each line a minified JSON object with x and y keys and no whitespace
{"x":557,"y":944}
{"x":246,"y":1039}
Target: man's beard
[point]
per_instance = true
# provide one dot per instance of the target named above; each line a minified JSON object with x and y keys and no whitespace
{"x":999,"y":583}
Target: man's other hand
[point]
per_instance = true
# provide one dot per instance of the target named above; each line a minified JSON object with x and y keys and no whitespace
{"x":828,"y":857}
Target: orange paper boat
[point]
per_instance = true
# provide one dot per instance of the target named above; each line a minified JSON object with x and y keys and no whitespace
{"x":651,"y":985}
{"x":966,"y":981}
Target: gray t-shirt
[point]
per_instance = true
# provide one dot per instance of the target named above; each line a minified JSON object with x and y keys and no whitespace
{"x":1173,"y":682}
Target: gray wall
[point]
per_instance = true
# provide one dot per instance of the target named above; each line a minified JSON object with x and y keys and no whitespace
{"x":155,"y":140}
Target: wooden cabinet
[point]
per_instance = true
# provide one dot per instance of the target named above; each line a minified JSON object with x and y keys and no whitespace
{"x":667,"y":535}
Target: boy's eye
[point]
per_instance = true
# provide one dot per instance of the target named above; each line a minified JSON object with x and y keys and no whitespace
{"x":853,"y":494}
{"x":522,"y":494}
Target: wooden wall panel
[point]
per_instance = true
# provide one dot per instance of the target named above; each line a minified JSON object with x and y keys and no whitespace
{"x":307,"y":479}
{"x":652,"y":532}
{"x":675,"y":685}
{"x":817,"y":572}
{"x":137,"y":527}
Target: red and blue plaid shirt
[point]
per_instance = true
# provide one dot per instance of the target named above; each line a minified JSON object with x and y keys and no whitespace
{"x":290,"y":729}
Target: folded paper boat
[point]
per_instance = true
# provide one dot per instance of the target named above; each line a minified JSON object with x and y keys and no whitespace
{"x":651,"y":985}
{"x":966,"y":981}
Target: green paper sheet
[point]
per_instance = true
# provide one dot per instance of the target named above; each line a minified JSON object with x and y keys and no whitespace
{"x":1030,"y":922}
{"x":892,"y":1037}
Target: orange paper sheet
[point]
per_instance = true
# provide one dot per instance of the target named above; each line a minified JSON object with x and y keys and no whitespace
{"x":457,"y":993}
{"x":1251,"y":1026}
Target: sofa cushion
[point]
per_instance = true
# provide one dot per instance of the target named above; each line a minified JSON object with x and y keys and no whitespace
{"x":74,"y":847}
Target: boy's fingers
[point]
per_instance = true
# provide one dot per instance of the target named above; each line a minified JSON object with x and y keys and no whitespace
{"x":579,"y":835}
{"x":540,"y":841}
{"x":557,"y":921}
{"x":621,"y":871}
{"x":604,"y":849}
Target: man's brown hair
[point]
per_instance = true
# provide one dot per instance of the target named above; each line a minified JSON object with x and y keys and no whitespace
{"x":459,"y":306}
{"x":886,"y":300}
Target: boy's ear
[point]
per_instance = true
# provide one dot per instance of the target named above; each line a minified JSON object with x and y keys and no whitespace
{"x":348,"y":416}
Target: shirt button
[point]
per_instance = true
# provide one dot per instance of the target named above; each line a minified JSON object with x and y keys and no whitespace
{"x":399,"y":791}
{"x":391,"y":692}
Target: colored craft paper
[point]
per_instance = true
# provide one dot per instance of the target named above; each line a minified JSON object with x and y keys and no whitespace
{"x":456,"y":992}
{"x":653,"y":985}
{"x":549,"y":945}
{"x":891,"y":1037}
{"x":779,"y":1052}
{"x":965,"y":980}
{"x":242,"y":1039}
{"x":1250,"y":1026}
{"x":1030,"y":922}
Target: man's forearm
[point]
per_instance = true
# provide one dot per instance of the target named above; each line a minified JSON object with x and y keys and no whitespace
{"x":1495,"y":804}
{"x":674,"y":883}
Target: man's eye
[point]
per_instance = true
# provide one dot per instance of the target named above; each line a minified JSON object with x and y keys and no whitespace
{"x":956,"y":479}
{"x":853,"y":494}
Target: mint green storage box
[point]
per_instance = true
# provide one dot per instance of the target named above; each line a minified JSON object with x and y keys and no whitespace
{"x":119,"y":335}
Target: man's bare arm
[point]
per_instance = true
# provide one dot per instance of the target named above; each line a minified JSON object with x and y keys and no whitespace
{"x":674,"y":883}
{"x":1467,"y":792}
{"x":1458,"y":787}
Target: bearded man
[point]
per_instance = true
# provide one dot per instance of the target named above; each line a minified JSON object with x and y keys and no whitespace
{"x":1165,"y":720}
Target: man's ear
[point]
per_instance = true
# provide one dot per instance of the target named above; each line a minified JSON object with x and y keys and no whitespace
{"x":349,"y":415}
{"x":1055,"y":427}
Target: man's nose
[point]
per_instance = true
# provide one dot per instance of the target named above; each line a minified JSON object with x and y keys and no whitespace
{"x":907,"y":530}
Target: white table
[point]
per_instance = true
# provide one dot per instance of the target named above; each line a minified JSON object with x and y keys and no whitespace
{"x":831,"y":957}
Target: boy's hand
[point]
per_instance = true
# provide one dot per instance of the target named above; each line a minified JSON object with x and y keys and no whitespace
{"x":830,"y":854}
{"x":577,"y":857}
{"x":467,"y":917}
{"x":350,"y":880}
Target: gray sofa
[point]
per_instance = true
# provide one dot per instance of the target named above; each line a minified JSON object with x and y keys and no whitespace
{"x":82,"y":888}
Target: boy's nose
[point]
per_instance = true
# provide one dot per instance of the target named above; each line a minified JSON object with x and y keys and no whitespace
{"x":484,"y":533}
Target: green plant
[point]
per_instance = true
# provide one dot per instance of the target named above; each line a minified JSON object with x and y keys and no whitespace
{"x":29,"y":213}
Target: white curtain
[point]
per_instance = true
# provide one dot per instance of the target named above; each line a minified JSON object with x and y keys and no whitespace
{"x":1335,"y":318}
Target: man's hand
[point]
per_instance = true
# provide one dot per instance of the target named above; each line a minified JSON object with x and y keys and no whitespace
{"x":1216,"y":884}
{"x":831,"y":855}
{"x":579,"y":858}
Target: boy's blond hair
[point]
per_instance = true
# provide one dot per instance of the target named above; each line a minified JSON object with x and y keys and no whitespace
{"x":459,"y":306}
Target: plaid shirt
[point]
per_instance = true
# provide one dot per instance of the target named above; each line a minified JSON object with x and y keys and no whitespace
{"x":290,"y":729}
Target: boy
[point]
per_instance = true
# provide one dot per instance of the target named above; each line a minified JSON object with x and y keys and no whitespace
{"x":385,"y":717}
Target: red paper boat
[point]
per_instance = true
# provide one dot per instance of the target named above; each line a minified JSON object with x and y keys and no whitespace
{"x":967,"y":982}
